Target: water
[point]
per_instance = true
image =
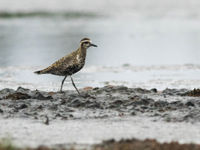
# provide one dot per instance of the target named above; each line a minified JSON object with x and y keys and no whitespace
{"x":160,"y":77}
{"x":148,"y":44}
{"x":139,"y":33}
{"x":93,"y":131}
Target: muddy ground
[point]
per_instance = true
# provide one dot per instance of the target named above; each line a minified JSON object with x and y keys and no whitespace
{"x":48,"y":108}
{"x":171,"y":105}
{"x":130,"y":144}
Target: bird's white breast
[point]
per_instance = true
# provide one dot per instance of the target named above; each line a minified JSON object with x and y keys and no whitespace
{"x":78,"y":58}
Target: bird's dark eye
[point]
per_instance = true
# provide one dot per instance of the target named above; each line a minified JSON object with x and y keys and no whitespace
{"x":86,"y":42}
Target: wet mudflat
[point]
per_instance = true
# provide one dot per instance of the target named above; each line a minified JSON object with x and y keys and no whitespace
{"x":171,"y":105}
{"x":32,"y":118}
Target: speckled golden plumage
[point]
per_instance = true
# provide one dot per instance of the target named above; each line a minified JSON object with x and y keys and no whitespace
{"x":69,"y":64}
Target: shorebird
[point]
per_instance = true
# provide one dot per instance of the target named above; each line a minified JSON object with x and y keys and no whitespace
{"x":69,"y":64}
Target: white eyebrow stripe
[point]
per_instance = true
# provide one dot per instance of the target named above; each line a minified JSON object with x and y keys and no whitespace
{"x":86,"y":41}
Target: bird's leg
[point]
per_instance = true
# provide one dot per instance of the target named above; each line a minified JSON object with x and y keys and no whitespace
{"x":62,"y":83}
{"x":74,"y":85}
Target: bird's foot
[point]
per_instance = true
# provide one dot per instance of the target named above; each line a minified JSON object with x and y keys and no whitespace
{"x":61,"y":91}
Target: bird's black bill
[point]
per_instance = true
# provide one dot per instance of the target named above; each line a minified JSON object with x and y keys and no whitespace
{"x":93,"y":45}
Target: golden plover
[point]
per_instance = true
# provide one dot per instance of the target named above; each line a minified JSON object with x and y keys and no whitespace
{"x":69,"y":64}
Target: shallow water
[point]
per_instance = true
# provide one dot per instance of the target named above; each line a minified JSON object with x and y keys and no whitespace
{"x":93,"y":131}
{"x":143,"y":34}
{"x":160,"y":77}
{"x":135,"y":32}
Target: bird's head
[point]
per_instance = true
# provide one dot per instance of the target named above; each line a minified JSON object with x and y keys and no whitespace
{"x":86,"y":43}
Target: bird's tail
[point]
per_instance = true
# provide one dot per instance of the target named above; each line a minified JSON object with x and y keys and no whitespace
{"x":44,"y":71}
{"x":38,"y":72}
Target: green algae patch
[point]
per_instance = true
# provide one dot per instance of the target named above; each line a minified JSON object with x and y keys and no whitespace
{"x":6,"y":144}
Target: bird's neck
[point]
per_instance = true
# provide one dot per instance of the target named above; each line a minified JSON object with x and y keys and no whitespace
{"x":82,"y":52}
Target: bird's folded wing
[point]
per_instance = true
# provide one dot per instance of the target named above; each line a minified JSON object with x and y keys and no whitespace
{"x":61,"y":64}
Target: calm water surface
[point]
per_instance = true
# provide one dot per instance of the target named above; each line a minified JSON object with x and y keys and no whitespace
{"x":33,"y":35}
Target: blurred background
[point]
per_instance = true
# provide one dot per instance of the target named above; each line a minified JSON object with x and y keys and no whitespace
{"x":149,"y":44}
